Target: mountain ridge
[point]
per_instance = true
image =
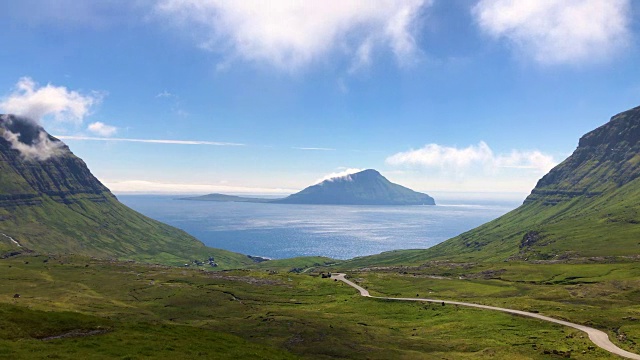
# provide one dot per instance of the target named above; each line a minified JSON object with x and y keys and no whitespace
{"x":50,"y":202}
{"x":587,"y":208}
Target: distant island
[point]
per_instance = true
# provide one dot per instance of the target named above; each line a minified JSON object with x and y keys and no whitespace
{"x":227,"y":198}
{"x":367,"y":187}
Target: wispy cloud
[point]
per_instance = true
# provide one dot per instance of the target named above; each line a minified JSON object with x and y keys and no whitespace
{"x":292,"y":34}
{"x":344,"y":172}
{"x":175,"y":103}
{"x":558,"y":31}
{"x":150,"y":187}
{"x":474,"y":168}
{"x":150,"y":141}
{"x":460,"y":160}
{"x":164,"y":94}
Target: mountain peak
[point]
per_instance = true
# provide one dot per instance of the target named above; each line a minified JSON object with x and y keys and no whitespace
{"x":622,"y":127}
{"x":29,"y":138}
{"x":367,"y":187}
{"x":369,"y":173}
{"x":26,"y":130}
{"x":34,"y":164}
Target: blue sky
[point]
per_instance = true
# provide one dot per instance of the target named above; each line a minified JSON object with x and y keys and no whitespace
{"x":255,"y":97}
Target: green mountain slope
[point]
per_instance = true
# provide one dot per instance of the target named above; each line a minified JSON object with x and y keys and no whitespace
{"x":586,"y":207}
{"x":50,"y":202}
{"x":367,"y":187}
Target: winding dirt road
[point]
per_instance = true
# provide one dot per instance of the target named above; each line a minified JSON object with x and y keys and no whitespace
{"x":599,"y":338}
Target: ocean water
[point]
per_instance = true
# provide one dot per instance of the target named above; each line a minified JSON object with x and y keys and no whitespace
{"x":342,"y":232}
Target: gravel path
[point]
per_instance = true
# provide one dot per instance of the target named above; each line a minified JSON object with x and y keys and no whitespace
{"x":599,"y":338}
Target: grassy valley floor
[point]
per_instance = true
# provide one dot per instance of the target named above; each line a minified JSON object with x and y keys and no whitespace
{"x":601,"y":295}
{"x":73,"y":307}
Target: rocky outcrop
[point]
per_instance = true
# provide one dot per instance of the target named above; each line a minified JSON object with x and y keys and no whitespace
{"x":7,"y":201}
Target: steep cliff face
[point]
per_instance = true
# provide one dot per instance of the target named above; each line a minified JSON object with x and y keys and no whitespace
{"x":606,"y":158}
{"x":367,"y":187}
{"x":50,"y":202}
{"x":25,"y":177}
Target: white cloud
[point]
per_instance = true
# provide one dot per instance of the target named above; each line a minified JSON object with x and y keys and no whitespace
{"x":41,"y":149}
{"x":292,"y":34}
{"x":151,"y":187}
{"x":102,"y":129}
{"x":474,"y":157}
{"x":150,"y":141}
{"x":558,"y":31}
{"x":434,"y":155}
{"x":475,"y":168}
{"x":37,"y":102}
{"x":534,"y":160}
{"x":344,"y":173}
{"x":26,"y":136}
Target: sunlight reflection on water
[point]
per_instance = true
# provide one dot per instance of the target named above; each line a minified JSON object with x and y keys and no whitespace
{"x":341,"y":232}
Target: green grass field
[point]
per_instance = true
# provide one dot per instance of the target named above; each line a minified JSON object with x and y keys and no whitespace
{"x":130,"y":310}
{"x":106,"y":229}
{"x":604,"y":296}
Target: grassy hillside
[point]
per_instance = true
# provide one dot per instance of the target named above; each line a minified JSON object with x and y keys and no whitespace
{"x":604,"y":226}
{"x":107,"y":229}
{"x":588,"y":207}
{"x":53,"y":204}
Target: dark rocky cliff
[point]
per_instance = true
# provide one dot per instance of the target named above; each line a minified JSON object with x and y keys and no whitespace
{"x":24,"y":178}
